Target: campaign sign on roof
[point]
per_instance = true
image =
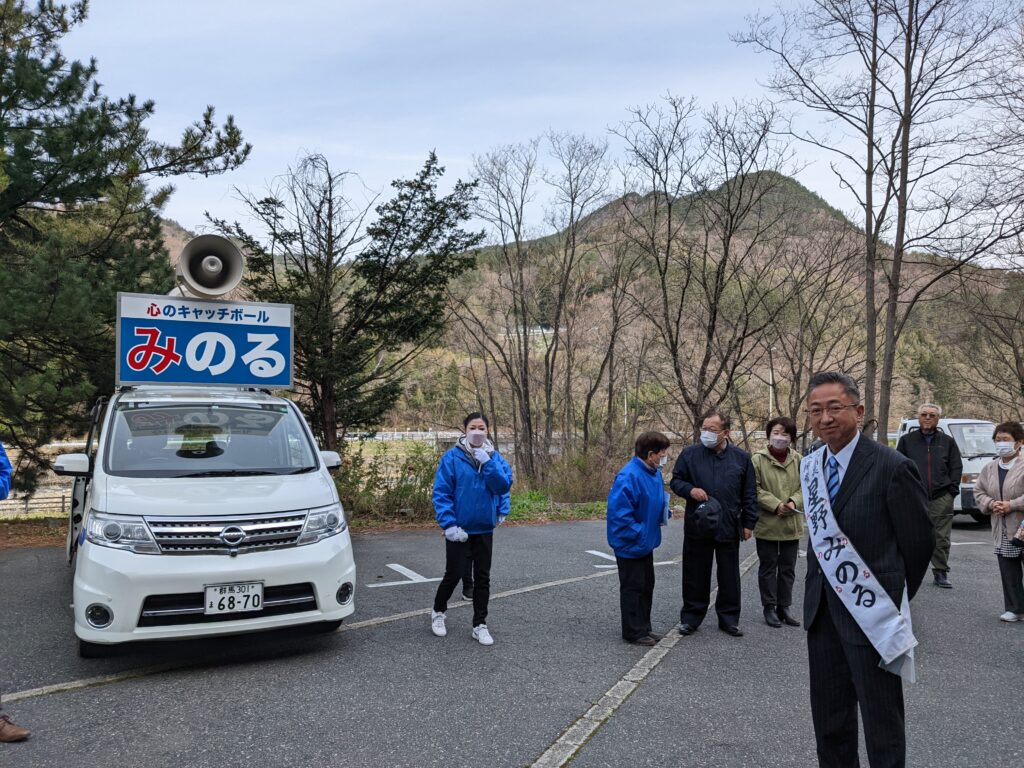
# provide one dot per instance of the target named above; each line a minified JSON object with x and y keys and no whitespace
{"x":171,"y":340}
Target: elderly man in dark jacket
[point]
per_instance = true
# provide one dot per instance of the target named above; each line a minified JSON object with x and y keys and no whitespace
{"x":938,"y":460}
{"x":717,"y":480}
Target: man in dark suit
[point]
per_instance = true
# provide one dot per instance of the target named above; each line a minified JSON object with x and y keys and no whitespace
{"x":879,"y":503}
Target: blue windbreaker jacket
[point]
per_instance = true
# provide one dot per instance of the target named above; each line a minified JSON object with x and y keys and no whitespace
{"x":469,"y":495}
{"x":5,"y":473}
{"x":635,"y":506}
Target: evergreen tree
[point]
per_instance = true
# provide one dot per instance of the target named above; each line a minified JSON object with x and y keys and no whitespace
{"x":367,"y":296}
{"x":77,"y":222}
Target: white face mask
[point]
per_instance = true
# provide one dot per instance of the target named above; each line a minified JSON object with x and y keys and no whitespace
{"x":476,"y":437}
{"x":1005,"y":448}
{"x":780,"y":442}
{"x":663,"y":460}
{"x":709,"y":439}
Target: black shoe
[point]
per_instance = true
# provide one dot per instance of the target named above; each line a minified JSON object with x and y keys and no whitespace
{"x":645,"y":640}
{"x":786,"y":617}
{"x":655,"y":636}
{"x":942,"y":580}
{"x":771,"y":618}
{"x":467,"y":595}
{"x":731,"y":630}
{"x":686,"y":629}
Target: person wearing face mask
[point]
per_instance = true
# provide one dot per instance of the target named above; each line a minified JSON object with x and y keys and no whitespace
{"x":637,"y":508}
{"x":717,"y":480}
{"x":938,"y":461}
{"x":471,"y":497}
{"x":999,"y":492}
{"x":780,"y":523}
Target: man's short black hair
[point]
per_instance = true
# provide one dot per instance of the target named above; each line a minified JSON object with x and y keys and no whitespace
{"x":475,"y":415}
{"x":835,"y":377}
{"x":723,"y":415}
{"x":650,"y":442}
{"x":783,"y":421}
{"x":1011,"y":428}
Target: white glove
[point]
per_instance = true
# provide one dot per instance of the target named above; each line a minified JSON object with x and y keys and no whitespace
{"x":481,"y":455}
{"x":501,"y":519}
{"x":455,"y":534}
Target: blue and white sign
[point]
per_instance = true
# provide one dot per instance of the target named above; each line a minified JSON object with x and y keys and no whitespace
{"x":172,"y":340}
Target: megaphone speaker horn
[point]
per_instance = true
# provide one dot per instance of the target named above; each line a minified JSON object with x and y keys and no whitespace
{"x":209,"y":267}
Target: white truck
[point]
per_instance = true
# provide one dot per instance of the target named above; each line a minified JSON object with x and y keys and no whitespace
{"x":974,"y":439}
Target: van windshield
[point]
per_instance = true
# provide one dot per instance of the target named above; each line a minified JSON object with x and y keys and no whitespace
{"x":974,"y":440}
{"x":207,"y":440}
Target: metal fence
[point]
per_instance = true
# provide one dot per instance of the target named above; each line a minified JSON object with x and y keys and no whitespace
{"x":42,"y":504}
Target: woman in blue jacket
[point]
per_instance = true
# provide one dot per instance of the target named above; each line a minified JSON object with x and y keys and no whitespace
{"x":471,"y":497}
{"x":637,"y":508}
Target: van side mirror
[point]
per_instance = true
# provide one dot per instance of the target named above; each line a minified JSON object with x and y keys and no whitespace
{"x":331,"y":459}
{"x":74,"y":464}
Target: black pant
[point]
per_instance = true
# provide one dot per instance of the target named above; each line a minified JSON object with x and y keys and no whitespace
{"x":697,"y":558}
{"x":777,"y":571}
{"x":1010,"y":572}
{"x":467,"y":573}
{"x":844,"y":674}
{"x":479,"y":548}
{"x":636,"y":592}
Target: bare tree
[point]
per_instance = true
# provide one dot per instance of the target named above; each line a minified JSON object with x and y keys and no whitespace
{"x":707,"y":222}
{"x":907,"y":89}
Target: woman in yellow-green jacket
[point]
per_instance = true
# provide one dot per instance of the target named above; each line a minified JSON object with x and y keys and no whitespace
{"x":780,"y":521}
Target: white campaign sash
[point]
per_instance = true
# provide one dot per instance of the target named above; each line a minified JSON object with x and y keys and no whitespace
{"x":888,"y":628}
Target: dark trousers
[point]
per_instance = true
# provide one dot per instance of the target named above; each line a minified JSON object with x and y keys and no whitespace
{"x":697,"y":558}
{"x":467,"y":574}
{"x":843,"y":674}
{"x":479,"y":548}
{"x":1010,"y":572}
{"x":777,"y":571}
{"x":636,"y":592}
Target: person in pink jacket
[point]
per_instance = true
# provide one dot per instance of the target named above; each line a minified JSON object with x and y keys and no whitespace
{"x":999,"y":492}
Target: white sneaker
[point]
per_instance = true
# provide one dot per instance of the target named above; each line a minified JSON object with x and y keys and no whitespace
{"x":482,"y":635}
{"x":437,"y":624}
{"x":1009,"y":616}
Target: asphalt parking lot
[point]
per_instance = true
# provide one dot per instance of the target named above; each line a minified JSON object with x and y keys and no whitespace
{"x":383,"y":691}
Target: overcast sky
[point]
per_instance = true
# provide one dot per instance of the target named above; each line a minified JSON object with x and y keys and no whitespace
{"x":376,"y":86}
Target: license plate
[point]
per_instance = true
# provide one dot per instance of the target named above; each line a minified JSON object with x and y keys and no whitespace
{"x":234,"y":598}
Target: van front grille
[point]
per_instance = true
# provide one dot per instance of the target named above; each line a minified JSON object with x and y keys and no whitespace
{"x":206,"y":535}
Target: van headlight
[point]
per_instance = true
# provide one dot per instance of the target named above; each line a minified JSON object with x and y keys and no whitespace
{"x":322,"y":522}
{"x":120,"y":532}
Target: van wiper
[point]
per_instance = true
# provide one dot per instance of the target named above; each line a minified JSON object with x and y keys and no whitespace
{"x":229,"y":473}
{"x":300,"y":470}
{"x":977,"y":455}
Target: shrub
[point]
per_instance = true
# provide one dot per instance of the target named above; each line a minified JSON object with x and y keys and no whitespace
{"x":581,"y":477}
{"x":388,"y":485}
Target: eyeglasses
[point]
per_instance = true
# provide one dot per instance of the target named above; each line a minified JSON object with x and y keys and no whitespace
{"x":832,"y":410}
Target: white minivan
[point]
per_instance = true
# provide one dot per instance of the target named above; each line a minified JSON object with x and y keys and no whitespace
{"x":204,"y":511}
{"x":974,"y":439}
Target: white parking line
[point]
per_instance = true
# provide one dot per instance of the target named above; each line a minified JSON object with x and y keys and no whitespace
{"x":606,"y":556}
{"x":411,"y":577}
{"x":91,"y":682}
{"x":576,"y":735}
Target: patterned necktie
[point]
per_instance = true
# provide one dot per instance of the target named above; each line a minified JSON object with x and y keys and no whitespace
{"x":833,"y":479}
